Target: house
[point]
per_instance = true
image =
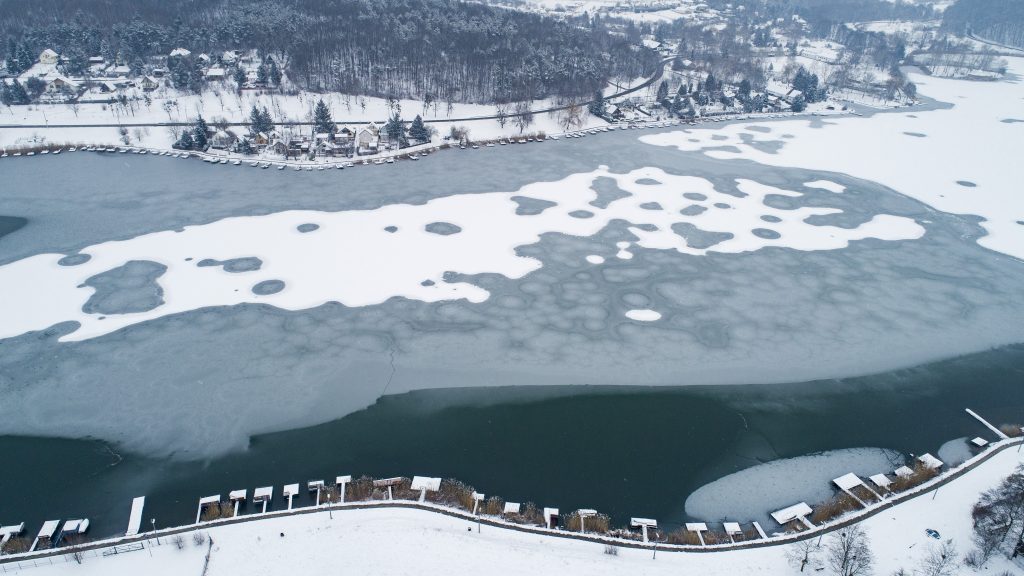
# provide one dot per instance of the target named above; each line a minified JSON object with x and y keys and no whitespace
{"x":223,"y":139}
{"x":148,"y":83}
{"x":278,"y":147}
{"x":230,"y":56}
{"x":260,"y":139}
{"x":95,"y":60}
{"x":60,"y":84}
{"x":108,"y":87}
{"x":180,"y":53}
{"x":48,"y":57}
{"x":158,"y":72}
{"x":368,"y":139}
{"x":345,"y":134}
{"x":121,"y":70}
{"x":204,"y":58}
{"x":215,"y":74}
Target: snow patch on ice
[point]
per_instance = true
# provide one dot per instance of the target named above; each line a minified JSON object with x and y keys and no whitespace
{"x":646,"y":315}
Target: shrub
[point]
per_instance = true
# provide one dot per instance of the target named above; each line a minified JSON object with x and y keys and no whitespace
{"x":864,"y":494}
{"x":528,"y":514}
{"x":16,"y":545}
{"x":683,"y":536}
{"x":199,"y":538}
{"x":611,"y":550}
{"x":1011,"y":430}
{"x":833,"y":508}
{"x":361,"y":489}
{"x":179,"y":542}
{"x":920,"y":475}
{"x":598,"y":524}
{"x":713,"y":537}
{"x":493,"y":506}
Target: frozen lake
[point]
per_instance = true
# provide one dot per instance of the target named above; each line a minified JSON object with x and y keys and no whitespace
{"x":159,"y":312}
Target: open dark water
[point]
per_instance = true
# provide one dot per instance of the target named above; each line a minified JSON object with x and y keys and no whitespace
{"x":626,"y":452}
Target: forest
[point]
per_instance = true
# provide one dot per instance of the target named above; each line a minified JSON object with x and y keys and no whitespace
{"x":425,"y":49}
{"x":998,"y":20}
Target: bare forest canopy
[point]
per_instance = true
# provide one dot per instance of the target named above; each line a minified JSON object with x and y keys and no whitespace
{"x":428,"y":49}
{"x":998,"y":20}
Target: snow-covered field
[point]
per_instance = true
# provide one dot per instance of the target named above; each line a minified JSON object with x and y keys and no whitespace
{"x":962,"y":160}
{"x":363,"y":258}
{"x":409,"y":541}
{"x":222,"y":103}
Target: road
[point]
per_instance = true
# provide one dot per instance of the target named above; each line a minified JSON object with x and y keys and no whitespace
{"x":654,"y":78}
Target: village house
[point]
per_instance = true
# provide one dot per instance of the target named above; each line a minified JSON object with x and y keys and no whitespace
{"x":278,"y":147}
{"x":148,"y":83}
{"x":60,"y":84}
{"x":368,"y":139}
{"x":180,"y":53}
{"x":223,"y":139}
{"x":48,"y":57}
{"x":121,"y":71}
{"x":215,"y":74}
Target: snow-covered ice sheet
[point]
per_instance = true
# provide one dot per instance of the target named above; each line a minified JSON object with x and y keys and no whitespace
{"x":964,"y":159}
{"x":365,"y":257}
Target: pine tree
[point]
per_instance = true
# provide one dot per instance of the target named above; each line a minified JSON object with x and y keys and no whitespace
{"x":266,"y":121}
{"x":261,"y":74}
{"x":199,"y":134}
{"x":662,"y":91}
{"x":597,"y":105}
{"x":275,"y":74}
{"x":185,"y":142}
{"x":395,"y":129}
{"x":239,"y":76}
{"x":12,"y":57}
{"x":6,"y":97}
{"x":418,"y":130}
{"x":322,"y":121}
{"x":744,"y":90}
{"x":18,"y":93}
{"x":25,"y":58}
{"x":255,"y":121}
{"x":799,"y":103}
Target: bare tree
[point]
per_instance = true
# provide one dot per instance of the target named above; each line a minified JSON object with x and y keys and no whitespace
{"x":571,"y":117}
{"x":941,"y":560}
{"x":802,"y":553}
{"x":849,"y":552}
{"x":523,"y":115}
{"x":501,"y":113}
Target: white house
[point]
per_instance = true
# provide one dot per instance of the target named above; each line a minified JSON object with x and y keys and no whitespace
{"x":216,"y":74}
{"x":61,"y":84}
{"x":121,"y":70}
{"x":181,"y":52}
{"x":368,"y":139}
{"x":205,"y":59}
{"x":48,"y":57}
{"x":223,"y":139}
{"x":149,"y":83}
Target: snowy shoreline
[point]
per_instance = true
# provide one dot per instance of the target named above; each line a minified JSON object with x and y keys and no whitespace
{"x":773,"y":542}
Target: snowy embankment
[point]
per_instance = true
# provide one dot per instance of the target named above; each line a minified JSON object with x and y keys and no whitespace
{"x":412,"y":246}
{"x":963,"y":160}
{"x":407,"y":540}
{"x":222,"y":104}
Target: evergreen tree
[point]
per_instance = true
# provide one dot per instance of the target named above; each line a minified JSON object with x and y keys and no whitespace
{"x":243,"y":146}
{"x":711,"y":85}
{"x":261,"y":74}
{"x":744,"y":90}
{"x":322,"y":121}
{"x":12,"y":57}
{"x":274,"y":73}
{"x":239,"y":76}
{"x":185,"y":142}
{"x":199,"y":134}
{"x":266,"y":121}
{"x":418,"y":130}
{"x":799,"y":103}
{"x":25,"y":58}
{"x":395,"y":129}
{"x":6,"y":97}
{"x":662,"y":91}
{"x":18,"y":94}
{"x":597,"y":105}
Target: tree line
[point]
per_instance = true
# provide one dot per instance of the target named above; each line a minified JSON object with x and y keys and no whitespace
{"x":425,"y":49}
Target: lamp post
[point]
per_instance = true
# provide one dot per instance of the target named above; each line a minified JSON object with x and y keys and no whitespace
{"x":152,"y":522}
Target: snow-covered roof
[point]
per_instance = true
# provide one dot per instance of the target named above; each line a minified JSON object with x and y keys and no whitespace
{"x":180,"y":52}
{"x":791,"y":513}
{"x":47,"y":54}
{"x":122,"y":69}
{"x":215,"y":499}
{"x":979,"y":442}
{"x":215,"y":73}
{"x":79,"y":526}
{"x":96,"y":59}
{"x":12,"y":530}
{"x":49,"y":528}
{"x":291,"y":490}
{"x":237,"y":494}
{"x":511,"y":508}
{"x":904,"y":472}
{"x":696,"y":527}
{"x":264,"y":493}
{"x":342,"y":479}
{"x":314,"y":485}
{"x":650,"y":522}
{"x":881,"y":480}
{"x":425,"y":483}
{"x":548,"y":512}
{"x":732,"y":528}
{"x":847,"y":481}
{"x":930,"y":461}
